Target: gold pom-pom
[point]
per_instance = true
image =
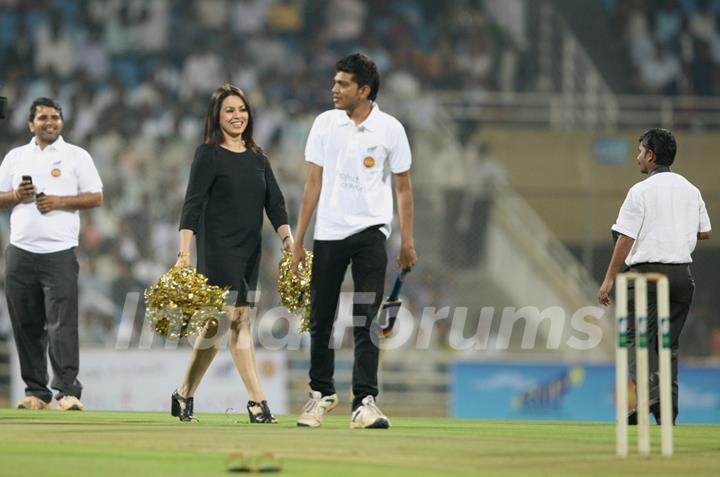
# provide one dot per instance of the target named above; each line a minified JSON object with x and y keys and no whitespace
{"x":294,"y":288}
{"x":182,"y":303}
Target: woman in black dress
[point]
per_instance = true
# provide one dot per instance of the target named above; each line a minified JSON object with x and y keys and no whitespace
{"x":231,"y":184}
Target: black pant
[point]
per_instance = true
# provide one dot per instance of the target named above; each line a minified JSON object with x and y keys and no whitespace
{"x":365,"y":251}
{"x":42,"y":297}
{"x":682,"y":287}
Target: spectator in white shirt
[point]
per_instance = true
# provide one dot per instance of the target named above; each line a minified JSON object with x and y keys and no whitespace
{"x":45,"y":183}
{"x":660,"y":73}
{"x":354,"y":153}
{"x":54,"y":50}
{"x":657,"y":229}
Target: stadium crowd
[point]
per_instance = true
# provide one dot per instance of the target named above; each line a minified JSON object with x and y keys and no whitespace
{"x":133,"y":78}
{"x":674,"y":45}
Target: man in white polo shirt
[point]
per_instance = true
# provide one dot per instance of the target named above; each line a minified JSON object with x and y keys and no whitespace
{"x":657,"y":230}
{"x":45,"y":183}
{"x":354,"y":152}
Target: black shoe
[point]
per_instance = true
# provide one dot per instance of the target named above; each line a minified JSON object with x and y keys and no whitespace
{"x":262,"y":417}
{"x":655,"y":410}
{"x":632,"y":418}
{"x":182,"y":407}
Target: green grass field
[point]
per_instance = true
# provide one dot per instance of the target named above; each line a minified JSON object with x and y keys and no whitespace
{"x":134,"y":444}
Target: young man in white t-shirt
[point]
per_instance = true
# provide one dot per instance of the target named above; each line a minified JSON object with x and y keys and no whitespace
{"x":353,"y":153}
{"x":658,"y":226}
{"x":45,"y":183}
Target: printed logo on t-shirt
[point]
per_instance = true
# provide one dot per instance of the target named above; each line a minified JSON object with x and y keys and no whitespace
{"x":350,"y":182}
{"x":55,"y":172}
{"x":374,"y":154}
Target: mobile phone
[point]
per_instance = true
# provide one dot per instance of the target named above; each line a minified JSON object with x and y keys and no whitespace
{"x":27,"y":200}
{"x":39,"y":195}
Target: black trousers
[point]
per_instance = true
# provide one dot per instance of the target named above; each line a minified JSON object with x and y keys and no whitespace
{"x":42,"y":297}
{"x":365,"y":252}
{"x":682,"y":287}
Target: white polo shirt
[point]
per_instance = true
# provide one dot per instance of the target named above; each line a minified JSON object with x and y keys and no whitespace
{"x":664,"y":214}
{"x":358,"y":162}
{"x":59,"y":169}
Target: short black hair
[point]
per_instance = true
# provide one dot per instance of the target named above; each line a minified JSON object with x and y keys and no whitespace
{"x":662,"y":143}
{"x":50,"y":103}
{"x":363,"y":70}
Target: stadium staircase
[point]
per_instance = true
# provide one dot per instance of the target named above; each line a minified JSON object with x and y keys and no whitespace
{"x":590,"y":24}
{"x":524,"y":265}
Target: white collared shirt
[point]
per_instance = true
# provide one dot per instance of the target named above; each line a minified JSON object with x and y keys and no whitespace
{"x":664,"y":214}
{"x":59,"y":169}
{"x":358,"y":162}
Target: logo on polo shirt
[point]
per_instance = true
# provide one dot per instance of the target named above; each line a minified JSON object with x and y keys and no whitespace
{"x":369,"y":161}
{"x":55,"y":172}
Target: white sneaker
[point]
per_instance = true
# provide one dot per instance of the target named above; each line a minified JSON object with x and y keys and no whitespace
{"x":34,"y":403}
{"x":369,"y":416}
{"x":314,"y":411}
{"x":70,"y":403}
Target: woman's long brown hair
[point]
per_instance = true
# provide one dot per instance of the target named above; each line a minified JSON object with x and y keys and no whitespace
{"x":213,"y":132}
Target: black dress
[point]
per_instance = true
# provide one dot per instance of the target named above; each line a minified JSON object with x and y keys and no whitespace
{"x":226,"y":195}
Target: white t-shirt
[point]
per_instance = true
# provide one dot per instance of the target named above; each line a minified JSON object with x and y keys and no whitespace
{"x":664,"y":214}
{"x":59,"y":169}
{"x":358,"y":162}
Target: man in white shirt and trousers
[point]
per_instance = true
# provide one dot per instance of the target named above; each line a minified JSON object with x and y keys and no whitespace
{"x":657,"y":229}
{"x":45,"y":183}
{"x":353,"y":152}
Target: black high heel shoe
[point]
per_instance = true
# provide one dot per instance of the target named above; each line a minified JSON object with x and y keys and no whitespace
{"x":182,"y":407}
{"x":262,"y":417}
